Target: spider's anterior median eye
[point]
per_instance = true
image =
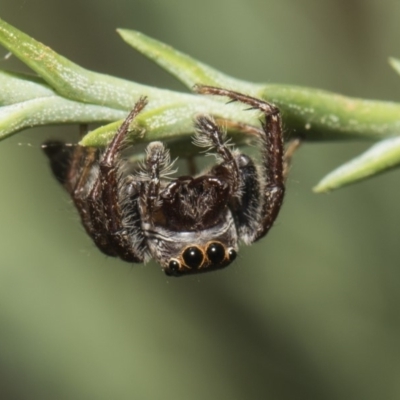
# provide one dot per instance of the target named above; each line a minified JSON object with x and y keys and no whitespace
{"x":216,"y":253}
{"x":193,"y":257}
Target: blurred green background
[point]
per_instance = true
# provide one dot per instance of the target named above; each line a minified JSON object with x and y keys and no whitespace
{"x":311,"y":312}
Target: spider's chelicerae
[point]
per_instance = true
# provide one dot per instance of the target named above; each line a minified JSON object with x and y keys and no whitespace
{"x":189,"y":224}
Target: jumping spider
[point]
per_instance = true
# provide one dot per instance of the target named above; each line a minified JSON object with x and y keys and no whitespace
{"x":189,"y":224}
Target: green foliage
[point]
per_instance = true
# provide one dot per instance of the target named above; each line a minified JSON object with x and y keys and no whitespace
{"x":68,"y":93}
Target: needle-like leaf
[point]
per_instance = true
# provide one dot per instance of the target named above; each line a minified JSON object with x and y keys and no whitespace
{"x":381,"y":157}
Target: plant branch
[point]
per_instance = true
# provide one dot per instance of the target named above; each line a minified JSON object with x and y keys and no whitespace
{"x":64,"y":92}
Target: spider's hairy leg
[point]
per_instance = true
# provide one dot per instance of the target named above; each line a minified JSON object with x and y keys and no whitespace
{"x":209,"y":134}
{"x":117,"y":144}
{"x":109,"y":173}
{"x":157,"y":161}
{"x":272,"y":149}
{"x":105,"y":211}
{"x":79,"y":180}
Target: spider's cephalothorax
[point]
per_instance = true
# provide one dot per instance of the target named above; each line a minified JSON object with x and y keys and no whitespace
{"x":190,"y":224}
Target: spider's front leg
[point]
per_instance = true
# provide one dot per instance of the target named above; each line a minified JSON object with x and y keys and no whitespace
{"x":272,"y":150}
{"x":110,"y":214}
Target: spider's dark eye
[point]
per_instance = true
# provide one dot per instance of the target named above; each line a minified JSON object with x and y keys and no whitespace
{"x":232,"y":254}
{"x":193,"y":257}
{"x":216,"y":253}
{"x":173,"y":268}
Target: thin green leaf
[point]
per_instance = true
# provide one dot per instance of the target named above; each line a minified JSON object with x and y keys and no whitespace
{"x":51,"y":110}
{"x":379,"y":158}
{"x":16,"y":88}
{"x":74,"y":82}
{"x":185,"y":68}
{"x":313,"y":114}
{"x":27,"y":101}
